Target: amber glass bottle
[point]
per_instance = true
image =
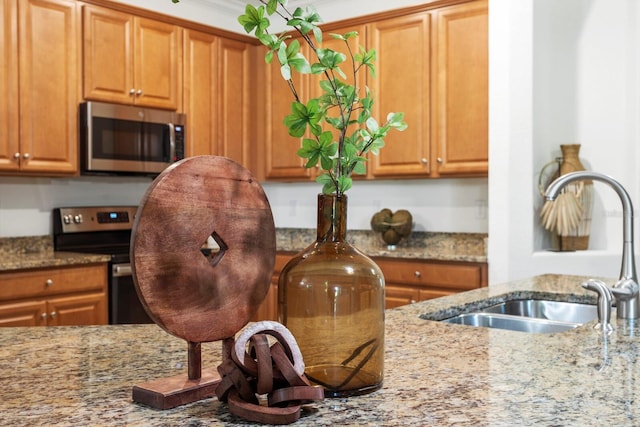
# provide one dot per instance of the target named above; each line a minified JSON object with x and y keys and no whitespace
{"x":331,"y":297}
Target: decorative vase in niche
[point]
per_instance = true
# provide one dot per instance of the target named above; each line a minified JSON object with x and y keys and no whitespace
{"x":577,"y":238}
{"x":331,"y":297}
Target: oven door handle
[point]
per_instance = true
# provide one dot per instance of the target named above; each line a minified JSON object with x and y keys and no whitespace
{"x":121,"y":270}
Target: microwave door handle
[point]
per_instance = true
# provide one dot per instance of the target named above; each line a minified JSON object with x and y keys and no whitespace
{"x":172,"y":143}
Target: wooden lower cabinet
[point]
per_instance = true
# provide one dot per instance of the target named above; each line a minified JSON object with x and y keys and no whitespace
{"x":411,"y":280}
{"x":54,"y":296}
{"x":406,"y":281}
{"x":269,"y":308}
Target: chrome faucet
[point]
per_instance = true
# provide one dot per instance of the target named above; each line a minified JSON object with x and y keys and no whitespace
{"x":625,"y":290}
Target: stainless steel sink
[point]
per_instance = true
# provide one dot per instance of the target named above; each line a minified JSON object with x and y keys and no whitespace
{"x":530,"y":315}
{"x":513,"y":323}
{"x":543,"y":309}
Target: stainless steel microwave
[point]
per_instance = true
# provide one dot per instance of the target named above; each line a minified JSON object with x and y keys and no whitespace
{"x":127,"y":140}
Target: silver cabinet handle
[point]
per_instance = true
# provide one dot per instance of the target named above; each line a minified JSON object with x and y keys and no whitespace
{"x":43,"y":316}
{"x":48,"y":282}
{"x":53,"y":314}
{"x":417,"y":274}
{"x":26,"y":156}
{"x":424,"y":161}
{"x":439,"y":159}
{"x":16,"y":156}
{"x":139,"y":92}
{"x":132,"y":91}
{"x":120,"y":270}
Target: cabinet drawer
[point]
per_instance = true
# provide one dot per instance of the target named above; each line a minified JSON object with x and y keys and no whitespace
{"x":443,"y":275}
{"x":35,"y":283}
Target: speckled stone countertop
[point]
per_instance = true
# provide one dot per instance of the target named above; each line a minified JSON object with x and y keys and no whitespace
{"x":37,"y":251}
{"x":436,"y":374}
{"x":17,"y":253}
{"x":469,"y":247}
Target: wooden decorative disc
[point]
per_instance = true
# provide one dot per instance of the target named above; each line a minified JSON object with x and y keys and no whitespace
{"x":190,"y":293}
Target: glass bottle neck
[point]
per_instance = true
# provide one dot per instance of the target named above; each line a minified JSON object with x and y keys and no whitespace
{"x":332,"y":218}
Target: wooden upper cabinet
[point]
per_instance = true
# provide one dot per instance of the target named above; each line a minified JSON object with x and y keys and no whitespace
{"x":338,"y":45}
{"x":279,"y":148}
{"x":217,"y":95}
{"x":432,"y":65}
{"x":38,"y":80}
{"x":9,"y":124}
{"x":131,"y":60}
{"x":281,"y":160}
{"x":461,"y":95}
{"x":234,"y":88}
{"x":201,"y":92}
{"x":402,"y":84}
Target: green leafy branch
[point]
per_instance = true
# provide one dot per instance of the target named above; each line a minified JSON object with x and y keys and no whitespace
{"x":339,"y":106}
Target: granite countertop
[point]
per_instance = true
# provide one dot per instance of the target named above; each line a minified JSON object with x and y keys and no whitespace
{"x":435,"y":373}
{"x":465,"y":247}
{"x":18,"y":253}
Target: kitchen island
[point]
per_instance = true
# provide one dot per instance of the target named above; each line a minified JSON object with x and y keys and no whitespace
{"x":435,"y":373}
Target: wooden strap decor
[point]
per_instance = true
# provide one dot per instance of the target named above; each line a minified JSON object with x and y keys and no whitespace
{"x":252,"y":367}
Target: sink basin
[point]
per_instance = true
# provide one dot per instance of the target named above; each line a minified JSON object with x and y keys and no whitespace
{"x":543,"y":309}
{"x":530,"y":315}
{"x":512,"y":323}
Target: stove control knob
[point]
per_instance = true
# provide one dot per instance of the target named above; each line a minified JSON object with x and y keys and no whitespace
{"x":78,"y":219}
{"x":66,"y":219}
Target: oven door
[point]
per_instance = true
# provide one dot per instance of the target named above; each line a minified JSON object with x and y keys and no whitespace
{"x":124,"y":305}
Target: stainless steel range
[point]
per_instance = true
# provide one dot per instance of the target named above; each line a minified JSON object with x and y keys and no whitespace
{"x":104,"y":230}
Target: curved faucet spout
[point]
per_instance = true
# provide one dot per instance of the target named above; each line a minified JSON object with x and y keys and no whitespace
{"x":629,"y":307}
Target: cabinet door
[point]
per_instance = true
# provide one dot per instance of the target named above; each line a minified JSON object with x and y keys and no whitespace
{"x":280,"y":159}
{"x":108,"y":55}
{"x":48,"y":85}
{"x":395,"y":296}
{"x":461,"y":96}
{"x":31,"y":313}
{"x":402,"y":84}
{"x":234,"y":125}
{"x":436,"y":293}
{"x":158,"y":63}
{"x":9,"y":86}
{"x":77,"y":310}
{"x":131,"y":60}
{"x":201,"y":92}
{"x":268,"y":310}
{"x":360,"y":81}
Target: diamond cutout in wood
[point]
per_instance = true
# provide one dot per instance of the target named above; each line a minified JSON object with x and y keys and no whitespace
{"x":214,"y":248}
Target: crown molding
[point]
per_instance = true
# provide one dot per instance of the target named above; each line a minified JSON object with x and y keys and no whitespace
{"x":236,"y":7}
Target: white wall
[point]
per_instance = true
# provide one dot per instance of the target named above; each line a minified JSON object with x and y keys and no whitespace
{"x":26,"y":203}
{"x":561,"y":72}
{"x":447,"y":205}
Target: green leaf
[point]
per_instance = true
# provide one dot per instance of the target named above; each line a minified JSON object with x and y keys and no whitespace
{"x":328,"y":186}
{"x":297,"y":121}
{"x":344,"y":183}
{"x":253,"y":19}
{"x":360,"y":168}
{"x":272,"y":6}
{"x":372,"y":124}
{"x":396,"y":120}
